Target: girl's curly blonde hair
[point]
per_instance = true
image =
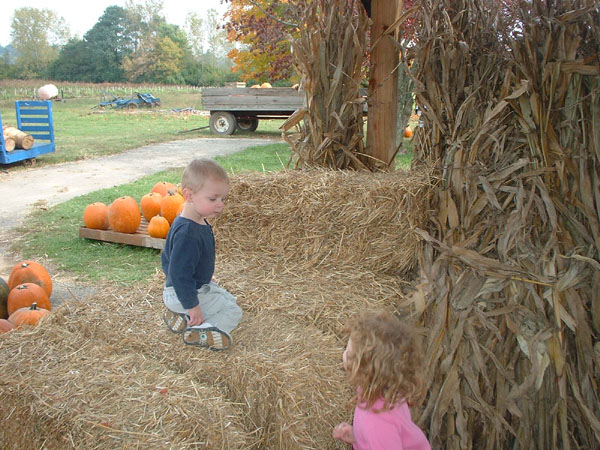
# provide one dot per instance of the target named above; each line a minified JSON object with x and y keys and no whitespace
{"x":385,"y":361}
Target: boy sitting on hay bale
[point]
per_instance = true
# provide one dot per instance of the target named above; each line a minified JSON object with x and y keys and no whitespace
{"x":196,"y":306}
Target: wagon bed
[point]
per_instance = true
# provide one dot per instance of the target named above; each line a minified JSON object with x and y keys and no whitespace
{"x":241,"y":108}
{"x":34,"y":118}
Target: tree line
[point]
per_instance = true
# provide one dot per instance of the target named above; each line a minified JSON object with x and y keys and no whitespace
{"x":127,"y":44}
{"x":136,"y":44}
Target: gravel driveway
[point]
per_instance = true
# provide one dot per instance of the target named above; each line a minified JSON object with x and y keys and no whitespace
{"x":54,"y":184}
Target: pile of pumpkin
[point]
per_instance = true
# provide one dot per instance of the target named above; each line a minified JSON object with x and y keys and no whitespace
{"x":159,"y":207}
{"x":25,"y":298}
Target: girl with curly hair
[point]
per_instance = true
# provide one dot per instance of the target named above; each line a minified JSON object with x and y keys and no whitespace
{"x":383,"y":363}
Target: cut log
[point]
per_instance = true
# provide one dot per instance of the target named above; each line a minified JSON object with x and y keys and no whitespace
{"x":9,"y":144}
{"x":22,"y":139}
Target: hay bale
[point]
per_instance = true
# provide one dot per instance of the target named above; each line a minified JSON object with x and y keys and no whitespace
{"x":106,"y":373}
{"x":350,"y":221}
{"x":92,"y":376}
{"x":97,"y":375}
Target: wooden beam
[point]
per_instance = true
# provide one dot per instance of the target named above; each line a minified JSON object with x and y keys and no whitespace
{"x":383,"y":82}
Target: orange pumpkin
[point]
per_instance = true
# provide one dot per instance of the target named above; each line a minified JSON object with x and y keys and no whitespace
{"x":4,"y":290}
{"x":30,"y":272}
{"x":180,"y":210}
{"x":5,"y":326}
{"x":95,"y":215}
{"x":150,"y":205}
{"x":124,"y":215}
{"x":408,"y":132}
{"x":163,"y":187}
{"x":169,"y":206}
{"x":28,"y":316}
{"x":158,"y":227}
{"x":25,"y":295}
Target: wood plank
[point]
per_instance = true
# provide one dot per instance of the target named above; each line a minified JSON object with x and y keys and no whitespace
{"x":140,"y":238}
{"x":266,"y":92}
{"x":383,"y":83}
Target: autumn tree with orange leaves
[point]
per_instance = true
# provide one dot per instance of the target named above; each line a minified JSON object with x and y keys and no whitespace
{"x":263,"y":27}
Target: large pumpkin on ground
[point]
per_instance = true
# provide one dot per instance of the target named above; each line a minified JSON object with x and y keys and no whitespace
{"x":158,"y":227}
{"x":4,"y":290}
{"x":95,"y":215}
{"x":25,"y":295}
{"x":170,"y":205}
{"x":150,"y":205}
{"x":163,"y":187}
{"x":30,"y":272}
{"x":28,"y":316}
{"x":124,"y":215}
{"x":5,"y":326}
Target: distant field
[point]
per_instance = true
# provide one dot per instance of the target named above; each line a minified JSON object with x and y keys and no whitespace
{"x":82,"y":131}
{"x":24,"y":89}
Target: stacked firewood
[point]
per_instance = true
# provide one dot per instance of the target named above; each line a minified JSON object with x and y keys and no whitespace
{"x":16,"y":139}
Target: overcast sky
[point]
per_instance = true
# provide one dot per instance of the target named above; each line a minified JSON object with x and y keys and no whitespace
{"x":82,"y":15}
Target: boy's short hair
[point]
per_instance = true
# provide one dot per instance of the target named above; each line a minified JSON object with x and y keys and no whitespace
{"x":200,"y":170}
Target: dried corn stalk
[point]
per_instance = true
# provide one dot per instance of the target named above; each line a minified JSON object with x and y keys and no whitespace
{"x":328,"y":56}
{"x":510,"y":271}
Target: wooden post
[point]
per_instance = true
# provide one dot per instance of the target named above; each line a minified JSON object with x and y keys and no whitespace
{"x":383,"y":83}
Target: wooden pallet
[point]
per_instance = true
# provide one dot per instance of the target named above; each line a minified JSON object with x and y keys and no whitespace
{"x":140,"y":238}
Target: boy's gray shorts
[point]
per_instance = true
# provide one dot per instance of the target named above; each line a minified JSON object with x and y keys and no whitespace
{"x":218,"y":306}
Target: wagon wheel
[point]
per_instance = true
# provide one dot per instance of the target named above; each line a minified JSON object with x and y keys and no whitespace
{"x":222,"y":122}
{"x":248,"y":124}
{"x":132,"y":106}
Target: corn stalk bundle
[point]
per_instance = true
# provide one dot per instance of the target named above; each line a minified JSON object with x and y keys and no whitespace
{"x":509,"y":286}
{"x":328,"y":56}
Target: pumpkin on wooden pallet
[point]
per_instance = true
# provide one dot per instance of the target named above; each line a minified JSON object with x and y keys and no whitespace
{"x":28,"y":316}
{"x":150,"y":204}
{"x":95,"y":215}
{"x":169,"y":206}
{"x":158,"y":227}
{"x":25,"y":295}
{"x":30,"y":272}
{"x":124,"y":215}
{"x":163,"y":187}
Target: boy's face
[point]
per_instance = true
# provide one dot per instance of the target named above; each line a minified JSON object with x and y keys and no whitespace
{"x":209,"y":200}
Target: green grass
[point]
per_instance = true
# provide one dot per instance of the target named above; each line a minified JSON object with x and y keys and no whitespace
{"x":55,"y":232}
{"x":81,"y":131}
{"x":270,"y":158}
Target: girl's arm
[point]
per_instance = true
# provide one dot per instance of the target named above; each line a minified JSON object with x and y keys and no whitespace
{"x":344,"y":432}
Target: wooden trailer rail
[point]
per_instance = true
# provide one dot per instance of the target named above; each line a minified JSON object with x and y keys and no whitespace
{"x":35,"y":118}
{"x":234,"y":109}
{"x":241,"y":108}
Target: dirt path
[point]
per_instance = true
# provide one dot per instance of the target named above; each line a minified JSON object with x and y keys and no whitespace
{"x":24,"y":189}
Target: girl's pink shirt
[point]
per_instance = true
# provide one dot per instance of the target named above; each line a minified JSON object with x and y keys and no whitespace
{"x":387,"y":430}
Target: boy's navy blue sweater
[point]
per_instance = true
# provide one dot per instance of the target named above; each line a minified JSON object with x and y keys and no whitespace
{"x":188,"y":259}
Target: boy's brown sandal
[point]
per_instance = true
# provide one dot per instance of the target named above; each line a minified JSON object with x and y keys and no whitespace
{"x":208,"y":337}
{"x":176,"y":322}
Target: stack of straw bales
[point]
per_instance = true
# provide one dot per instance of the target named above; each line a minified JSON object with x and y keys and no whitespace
{"x":105,"y":373}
